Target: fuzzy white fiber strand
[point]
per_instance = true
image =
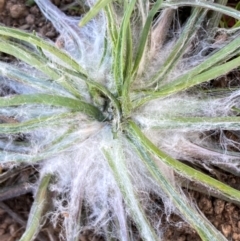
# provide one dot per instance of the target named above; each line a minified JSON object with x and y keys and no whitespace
{"x":85,"y":183}
{"x":161,"y":121}
{"x":168,"y":111}
{"x":85,"y":44}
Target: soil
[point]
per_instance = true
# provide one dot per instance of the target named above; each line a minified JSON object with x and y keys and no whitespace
{"x":15,"y":204}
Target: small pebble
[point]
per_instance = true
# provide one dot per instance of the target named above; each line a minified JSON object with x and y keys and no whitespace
{"x":205,"y":205}
{"x":34,"y":10}
{"x":218,"y":206}
{"x":30,"y":19}
{"x":13,"y":229}
{"x":181,"y":238}
{"x":50,"y":34}
{"x":226,"y":229}
{"x":17,"y":10}
{"x":236,"y":236}
{"x":24,"y":27}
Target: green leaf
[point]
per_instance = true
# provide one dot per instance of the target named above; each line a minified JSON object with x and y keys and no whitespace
{"x":40,"y":63}
{"x":126,"y":105}
{"x":37,"y":210}
{"x":182,"y":168}
{"x":29,"y":57}
{"x":202,"y":73}
{"x":116,"y":160}
{"x":40,"y":122}
{"x":204,"y":228}
{"x":119,"y":61}
{"x":100,"y":4}
{"x":40,"y":83}
{"x":54,"y":100}
{"x":204,"y":4}
{"x":112,"y":25}
{"x":194,"y":123}
{"x":190,"y":29}
{"x":41,"y":43}
{"x":145,"y":34}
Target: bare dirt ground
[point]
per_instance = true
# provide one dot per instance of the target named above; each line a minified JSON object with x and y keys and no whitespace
{"x":16,"y":202}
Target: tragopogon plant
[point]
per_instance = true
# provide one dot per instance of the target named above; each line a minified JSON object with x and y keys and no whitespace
{"x":115,"y":108}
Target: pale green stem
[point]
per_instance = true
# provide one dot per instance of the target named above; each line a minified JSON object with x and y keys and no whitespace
{"x":37,"y":209}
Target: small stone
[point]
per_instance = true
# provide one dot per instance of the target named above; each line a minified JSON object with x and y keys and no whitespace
{"x":13,"y":229}
{"x":17,"y":11}
{"x":229,"y":207}
{"x":30,"y":19}
{"x":60,"y":43}
{"x":226,"y":229}
{"x":24,"y":27}
{"x":2,"y":3}
{"x":219,"y":206}
{"x":181,"y":238}
{"x":216,"y":223}
{"x":50,"y":34}
{"x":43,"y":30}
{"x":205,"y":205}
{"x":34,"y":10}
{"x":236,"y":236}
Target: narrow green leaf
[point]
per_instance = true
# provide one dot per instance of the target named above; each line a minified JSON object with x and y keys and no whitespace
{"x":192,"y":78}
{"x":204,"y":228}
{"x":55,"y":100}
{"x":119,"y":60}
{"x":44,"y":45}
{"x":29,"y":57}
{"x":182,"y":168}
{"x":100,"y":4}
{"x":215,"y":16}
{"x":145,"y":34}
{"x":126,"y":104}
{"x":195,"y":123}
{"x":191,"y":27}
{"x":35,"y":60}
{"x":40,"y":83}
{"x":184,"y":82}
{"x":116,"y":160}
{"x":35,"y":217}
{"x":111,"y":24}
{"x":60,"y":144}
{"x":20,"y":127}
{"x":204,"y":4}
